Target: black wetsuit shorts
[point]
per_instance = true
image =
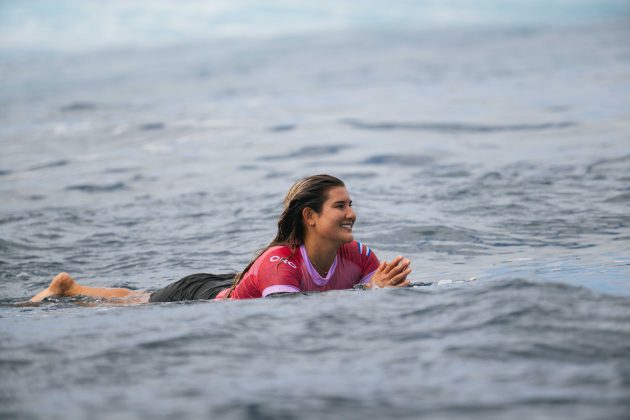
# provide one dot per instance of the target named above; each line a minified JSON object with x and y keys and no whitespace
{"x":199,"y":286}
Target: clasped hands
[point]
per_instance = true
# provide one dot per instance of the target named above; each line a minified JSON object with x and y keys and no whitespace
{"x":391,"y":274}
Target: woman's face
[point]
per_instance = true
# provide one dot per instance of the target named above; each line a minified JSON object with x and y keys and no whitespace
{"x":334,"y":221}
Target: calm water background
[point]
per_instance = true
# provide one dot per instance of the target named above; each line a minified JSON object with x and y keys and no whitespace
{"x":142,"y":142}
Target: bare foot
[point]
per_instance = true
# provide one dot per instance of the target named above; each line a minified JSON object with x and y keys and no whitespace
{"x":61,"y":285}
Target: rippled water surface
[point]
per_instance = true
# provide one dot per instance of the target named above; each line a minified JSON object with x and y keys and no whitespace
{"x":496,"y":158}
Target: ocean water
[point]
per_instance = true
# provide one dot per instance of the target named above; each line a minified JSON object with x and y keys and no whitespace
{"x":490,"y":144}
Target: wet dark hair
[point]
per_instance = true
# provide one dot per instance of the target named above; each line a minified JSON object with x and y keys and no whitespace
{"x":310,"y":192}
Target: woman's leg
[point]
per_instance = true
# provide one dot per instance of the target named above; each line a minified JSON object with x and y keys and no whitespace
{"x":64,"y":285}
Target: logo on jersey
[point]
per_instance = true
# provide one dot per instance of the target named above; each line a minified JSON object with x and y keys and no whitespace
{"x":285,"y":260}
{"x":363,"y":247}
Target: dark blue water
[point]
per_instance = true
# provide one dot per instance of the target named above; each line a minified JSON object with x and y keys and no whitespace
{"x":494,"y":152}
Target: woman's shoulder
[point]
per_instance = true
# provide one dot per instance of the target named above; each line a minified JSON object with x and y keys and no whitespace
{"x":278,"y":254}
{"x":281,"y":250}
{"x":356,"y":248}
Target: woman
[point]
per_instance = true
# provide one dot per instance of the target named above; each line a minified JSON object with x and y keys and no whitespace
{"x":314,"y":250}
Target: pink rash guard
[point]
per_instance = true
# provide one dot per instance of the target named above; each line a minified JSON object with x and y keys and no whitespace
{"x":280,"y":270}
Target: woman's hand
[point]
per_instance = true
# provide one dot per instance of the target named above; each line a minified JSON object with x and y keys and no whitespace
{"x":392,"y":274}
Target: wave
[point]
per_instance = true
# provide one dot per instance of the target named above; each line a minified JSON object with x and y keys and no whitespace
{"x":455,"y":127}
{"x":93,"y":188}
{"x":308,"y":151}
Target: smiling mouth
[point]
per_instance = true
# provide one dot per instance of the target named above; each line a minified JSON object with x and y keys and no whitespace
{"x":347,"y":226}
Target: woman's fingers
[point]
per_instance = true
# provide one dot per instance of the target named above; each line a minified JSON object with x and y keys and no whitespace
{"x":399,"y":267}
{"x":398,"y":279}
{"x":381,"y":267}
{"x":393,"y":273}
{"x":404,"y":263}
{"x":393,"y":264}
